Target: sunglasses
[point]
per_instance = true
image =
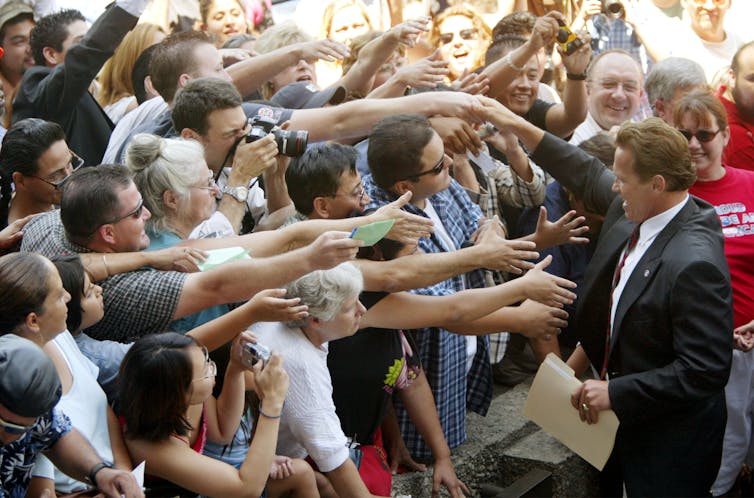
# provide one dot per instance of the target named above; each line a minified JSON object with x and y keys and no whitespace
{"x":703,"y":136}
{"x":15,"y":429}
{"x":466,"y":34}
{"x":76,"y":162}
{"x":435,"y":170}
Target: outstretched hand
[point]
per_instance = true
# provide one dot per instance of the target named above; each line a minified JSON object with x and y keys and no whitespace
{"x":547,"y":288}
{"x":568,"y":229}
{"x":408,"y":228}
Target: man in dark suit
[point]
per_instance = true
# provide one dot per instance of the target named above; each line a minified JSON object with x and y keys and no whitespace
{"x":655,"y":310}
{"x":68,"y":56}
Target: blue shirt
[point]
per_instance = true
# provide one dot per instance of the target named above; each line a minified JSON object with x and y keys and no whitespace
{"x":443,"y":353}
{"x":17,"y":458}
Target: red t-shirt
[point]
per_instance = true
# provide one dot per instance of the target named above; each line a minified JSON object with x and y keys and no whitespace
{"x":739,"y":152}
{"x":733,"y":198}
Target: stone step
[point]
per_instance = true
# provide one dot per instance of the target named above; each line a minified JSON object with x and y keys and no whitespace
{"x":504,"y":446}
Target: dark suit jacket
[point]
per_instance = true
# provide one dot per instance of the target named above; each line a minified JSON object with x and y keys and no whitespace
{"x":671,"y":345}
{"x":61,"y":93}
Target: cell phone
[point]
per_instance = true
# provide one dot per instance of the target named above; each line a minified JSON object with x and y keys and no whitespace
{"x":252,"y":353}
{"x":487,"y":130}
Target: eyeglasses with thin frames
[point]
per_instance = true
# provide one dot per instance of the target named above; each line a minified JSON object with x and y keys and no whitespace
{"x":703,"y":136}
{"x":76,"y":162}
{"x":210,"y":368}
{"x":15,"y":429}
{"x":211,"y":185}
{"x":435,"y":170}
{"x":359,"y":195}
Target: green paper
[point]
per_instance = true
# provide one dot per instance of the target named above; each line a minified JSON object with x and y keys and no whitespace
{"x":217,"y":257}
{"x":373,"y":232}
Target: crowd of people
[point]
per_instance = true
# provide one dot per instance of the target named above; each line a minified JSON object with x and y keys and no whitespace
{"x":183,"y":279}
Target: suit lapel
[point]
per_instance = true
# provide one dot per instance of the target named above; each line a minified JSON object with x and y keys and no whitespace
{"x":647,"y":267}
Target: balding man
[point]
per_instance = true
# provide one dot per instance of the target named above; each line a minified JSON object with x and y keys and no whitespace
{"x":614,"y":90}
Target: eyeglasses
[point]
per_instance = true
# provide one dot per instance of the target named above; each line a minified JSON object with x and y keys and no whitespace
{"x":210,"y":368}
{"x":358,"y":195}
{"x":135,"y":213}
{"x":465,"y":34}
{"x":435,"y":170}
{"x":703,"y":136}
{"x":15,"y":429}
{"x":75,"y":163}
{"x":211,"y":185}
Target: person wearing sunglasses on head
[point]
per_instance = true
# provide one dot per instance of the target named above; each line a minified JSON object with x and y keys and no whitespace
{"x":29,"y":425}
{"x":462,"y":37}
{"x":35,"y":158}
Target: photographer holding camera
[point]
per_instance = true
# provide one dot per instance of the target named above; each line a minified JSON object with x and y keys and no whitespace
{"x":238,"y":152}
{"x":616,"y":24}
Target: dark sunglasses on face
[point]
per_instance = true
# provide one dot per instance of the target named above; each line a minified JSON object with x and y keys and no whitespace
{"x":703,"y":136}
{"x":435,"y":170}
{"x":466,"y":34}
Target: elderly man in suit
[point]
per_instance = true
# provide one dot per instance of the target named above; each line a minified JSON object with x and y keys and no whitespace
{"x":655,"y":311}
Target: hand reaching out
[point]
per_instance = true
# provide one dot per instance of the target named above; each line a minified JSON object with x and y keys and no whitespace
{"x":568,"y":229}
{"x":270,"y":305}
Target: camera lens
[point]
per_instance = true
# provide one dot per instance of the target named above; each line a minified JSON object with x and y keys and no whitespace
{"x":614,"y":8}
{"x":291,"y":143}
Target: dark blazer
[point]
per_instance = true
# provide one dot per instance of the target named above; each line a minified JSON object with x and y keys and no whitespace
{"x":671,"y":346}
{"x":61,"y":93}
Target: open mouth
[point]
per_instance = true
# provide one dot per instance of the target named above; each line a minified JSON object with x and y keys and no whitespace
{"x":460,"y":54}
{"x":305,"y":77}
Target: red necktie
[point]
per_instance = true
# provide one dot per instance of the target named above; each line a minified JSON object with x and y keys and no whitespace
{"x":632,"y":240}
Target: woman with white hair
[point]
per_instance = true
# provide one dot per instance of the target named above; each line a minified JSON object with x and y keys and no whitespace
{"x":309,"y":424}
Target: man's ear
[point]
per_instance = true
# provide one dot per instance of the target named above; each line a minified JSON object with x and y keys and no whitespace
{"x":659,"y":183}
{"x":659,"y":107}
{"x":188,"y":133}
{"x":183,"y":79}
{"x":401,"y":187}
{"x":321,"y":207}
{"x":107,"y":234}
{"x":52,"y":56}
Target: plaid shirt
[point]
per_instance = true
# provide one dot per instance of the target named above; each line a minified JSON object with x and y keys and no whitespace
{"x":502,"y":186}
{"x":137,"y":303}
{"x":442,"y":353}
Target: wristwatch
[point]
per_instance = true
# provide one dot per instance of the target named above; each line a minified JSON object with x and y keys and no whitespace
{"x":239,"y":193}
{"x":92,"y":476}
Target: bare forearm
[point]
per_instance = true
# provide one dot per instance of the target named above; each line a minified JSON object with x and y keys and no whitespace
{"x":230,"y":404}
{"x":371,"y":57}
{"x":249,"y":74}
{"x":276,"y":191}
{"x":568,"y":116}
{"x":501,"y":72}
{"x":121,"y":458}
{"x":420,"y":405}
{"x":101,"y":265}
{"x":255,"y":468}
{"x":74,"y":455}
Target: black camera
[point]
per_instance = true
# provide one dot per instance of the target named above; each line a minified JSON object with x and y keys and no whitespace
{"x":290,"y":143}
{"x":252,"y":353}
{"x":567,"y":39}
{"x":613,"y":9}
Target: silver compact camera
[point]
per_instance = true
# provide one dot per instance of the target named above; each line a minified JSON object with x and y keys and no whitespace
{"x":252,"y":353}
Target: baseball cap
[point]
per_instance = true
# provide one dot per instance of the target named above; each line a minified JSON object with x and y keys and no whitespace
{"x":29,"y":383}
{"x":13,"y":8}
{"x":303,"y":95}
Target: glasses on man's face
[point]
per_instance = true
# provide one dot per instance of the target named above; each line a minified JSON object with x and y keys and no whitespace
{"x":135,"y":213}
{"x":75,"y":163}
{"x":15,"y":429}
{"x":465,"y":34}
{"x":356,"y":195}
{"x":435,"y":170}
{"x":703,"y":136}
{"x":612,"y":85}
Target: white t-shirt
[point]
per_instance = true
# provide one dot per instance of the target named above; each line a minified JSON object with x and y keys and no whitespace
{"x":86,"y":405}
{"x":712,"y":56}
{"x":309,"y":424}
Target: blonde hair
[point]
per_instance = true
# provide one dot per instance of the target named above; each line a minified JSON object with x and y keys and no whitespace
{"x":115,"y":75}
{"x":336,"y":6}
{"x":485,"y":33}
{"x":278,"y":36}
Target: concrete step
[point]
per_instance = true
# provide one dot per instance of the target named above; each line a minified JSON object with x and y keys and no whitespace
{"x":503,"y":447}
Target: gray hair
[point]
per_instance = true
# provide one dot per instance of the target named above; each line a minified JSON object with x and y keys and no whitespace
{"x":161,"y":164}
{"x":325,"y":291}
{"x":670,"y":74}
